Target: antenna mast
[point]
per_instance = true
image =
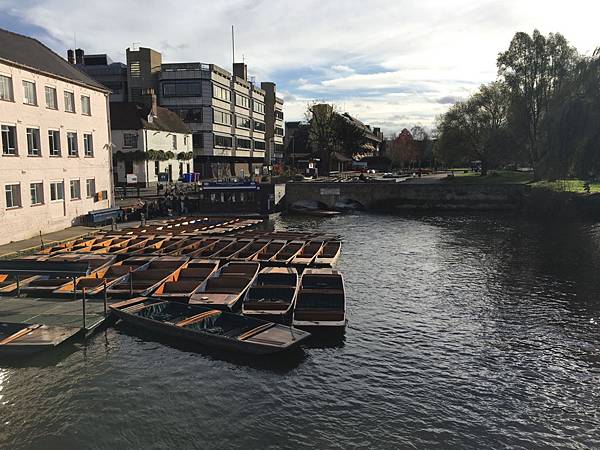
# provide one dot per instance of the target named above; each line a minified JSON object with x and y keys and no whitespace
{"x":233,"y":44}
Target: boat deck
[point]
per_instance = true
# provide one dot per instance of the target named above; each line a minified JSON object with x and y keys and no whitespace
{"x":53,"y":311}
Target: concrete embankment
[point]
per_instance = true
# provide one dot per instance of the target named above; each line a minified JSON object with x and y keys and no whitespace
{"x":403,"y":196}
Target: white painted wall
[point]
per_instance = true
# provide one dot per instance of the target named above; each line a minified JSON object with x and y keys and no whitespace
{"x":27,"y":221}
{"x":153,"y":140}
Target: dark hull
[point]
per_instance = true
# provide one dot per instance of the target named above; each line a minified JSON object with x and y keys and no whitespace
{"x":205,"y":339}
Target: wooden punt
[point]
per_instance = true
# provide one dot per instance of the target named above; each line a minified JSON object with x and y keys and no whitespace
{"x":68,"y":246}
{"x":44,"y":284}
{"x":232,"y":249}
{"x":18,"y":339}
{"x":287,"y":253}
{"x":307,"y":255}
{"x":247,"y":253}
{"x":329,"y":254}
{"x":321,"y":301}
{"x":94,"y":284}
{"x":144,"y":281}
{"x":169,"y":247}
{"x":210,"y":328}
{"x":226,"y":288}
{"x":273,"y":295}
{"x":209,"y":250}
{"x":270,"y":250}
{"x":187,"y":281}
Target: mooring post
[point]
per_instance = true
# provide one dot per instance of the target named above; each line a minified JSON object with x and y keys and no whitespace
{"x":18,"y":286}
{"x":105,"y":297}
{"x":83,"y":307}
{"x":130,"y":282}
{"x":75,"y":288}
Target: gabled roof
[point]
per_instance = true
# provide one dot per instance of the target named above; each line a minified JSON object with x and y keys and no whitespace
{"x":32,"y":54}
{"x":134,"y":116}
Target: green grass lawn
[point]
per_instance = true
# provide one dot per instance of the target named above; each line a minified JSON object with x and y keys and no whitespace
{"x":506,"y":176}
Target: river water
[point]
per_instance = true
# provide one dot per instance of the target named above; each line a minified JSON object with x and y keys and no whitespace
{"x":464,"y":331}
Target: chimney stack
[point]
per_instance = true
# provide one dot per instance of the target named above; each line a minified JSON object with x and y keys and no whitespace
{"x":149,"y":99}
{"x":71,"y":56}
{"x":240,"y":70}
{"x":79,"y":56}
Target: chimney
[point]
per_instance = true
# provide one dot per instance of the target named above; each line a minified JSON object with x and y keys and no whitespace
{"x":240,"y":70}
{"x":149,"y":99}
{"x":71,"y":56}
{"x":79,"y":56}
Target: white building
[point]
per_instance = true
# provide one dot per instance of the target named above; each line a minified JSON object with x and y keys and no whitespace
{"x":149,"y":140}
{"x":55,"y":146}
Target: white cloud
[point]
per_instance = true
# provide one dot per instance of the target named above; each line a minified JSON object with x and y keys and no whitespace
{"x":392,"y":61}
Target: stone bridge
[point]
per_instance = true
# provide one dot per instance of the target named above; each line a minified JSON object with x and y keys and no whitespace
{"x":402,"y":195}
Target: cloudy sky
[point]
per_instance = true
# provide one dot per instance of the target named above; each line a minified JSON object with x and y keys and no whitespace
{"x":391,"y":63}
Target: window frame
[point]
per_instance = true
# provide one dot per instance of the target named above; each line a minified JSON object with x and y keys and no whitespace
{"x":53,"y":148}
{"x":28,"y":83}
{"x":56,"y":191}
{"x":11,"y":92}
{"x":76,"y":148}
{"x":6,"y":191}
{"x":38,"y":142}
{"x":90,"y":138}
{"x":15,"y":148}
{"x":39,"y":195}
{"x":130,"y":135}
{"x":244,"y":102}
{"x":89,"y":105}
{"x":71,"y":96}
{"x":87,"y":187}
{"x":72,"y":183}
{"x":55,"y":97}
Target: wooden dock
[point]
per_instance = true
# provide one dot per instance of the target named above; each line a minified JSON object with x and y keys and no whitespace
{"x":53,"y":311}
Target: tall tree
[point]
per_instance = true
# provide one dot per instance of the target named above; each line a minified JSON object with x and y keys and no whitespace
{"x":349,"y":138}
{"x":535,"y":67}
{"x":321,"y":117}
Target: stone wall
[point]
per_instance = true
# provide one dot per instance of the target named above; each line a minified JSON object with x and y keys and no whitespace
{"x":391,"y":196}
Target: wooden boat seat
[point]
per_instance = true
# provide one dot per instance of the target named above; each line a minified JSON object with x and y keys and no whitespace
{"x":182,"y":286}
{"x":198,"y":317}
{"x":255,"y":331}
{"x":13,"y":337}
{"x":151,"y":274}
{"x":195,"y":273}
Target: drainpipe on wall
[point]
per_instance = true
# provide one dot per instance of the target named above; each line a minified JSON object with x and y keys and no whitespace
{"x":111,"y":175}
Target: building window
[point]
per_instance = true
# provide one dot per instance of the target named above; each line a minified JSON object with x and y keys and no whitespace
{"x":198,"y":140}
{"x":221,"y":117}
{"x":57,"y":191}
{"x":33,"y":142}
{"x":51,"y":98}
{"x":259,"y":126}
{"x":180,"y":170}
{"x":29,"y":94}
{"x":88,"y":145}
{"x":69,"y":102}
{"x":174,"y":137}
{"x":134,"y":69}
{"x":9,"y":140}
{"x":130,"y":140}
{"x":13,"y":195}
{"x":260,"y":145}
{"x":221,"y":93}
{"x":190,"y":115}
{"x":244,"y":143}
{"x":258,"y":107}
{"x":182,"y":89}
{"x":37,"y":193}
{"x":243,"y":101}
{"x":75,"y":189}
{"x":278,"y":114}
{"x":278,"y":131}
{"x":243,"y":122}
{"x":6,"y":92}
{"x":54,"y":142}
{"x":223,"y":141}
{"x":185,"y":141}
{"x":86,"y":107}
{"x":72,"y":143}
{"x":90,"y":187}
{"x":156,"y":167}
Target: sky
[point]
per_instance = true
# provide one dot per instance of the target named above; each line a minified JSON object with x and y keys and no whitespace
{"x":390,"y":63}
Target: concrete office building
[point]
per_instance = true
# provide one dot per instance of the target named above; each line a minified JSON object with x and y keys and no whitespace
{"x":55,"y":140}
{"x":101,"y":68}
{"x":274,"y":123}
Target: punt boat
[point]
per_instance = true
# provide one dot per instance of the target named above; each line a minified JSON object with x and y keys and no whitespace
{"x":273,"y":295}
{"x":287,"y":253}
{"x":307,"y":255}
{"x":44,"y":284}
{"x":8,"y":283}
{"x":270,"y":250}
{"x":209,"y":250}
{"x":226,"y":288}
{"x":248,"y":252}
{"x":144,"y":281}
{"x":68,"y":246}
{"x":25,"y":338}
{"x":187,"y":281}
{"x":95,"y":283}
{"x":329,"y":254}
{"x":321,"y":301}
{"x":232,"y":249}
{"x":210,"y":328}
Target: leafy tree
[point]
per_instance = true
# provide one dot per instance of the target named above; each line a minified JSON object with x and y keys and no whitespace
{"x":321,"y":117}
{"x":535,"y":67}
{"x":348,"y":136}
